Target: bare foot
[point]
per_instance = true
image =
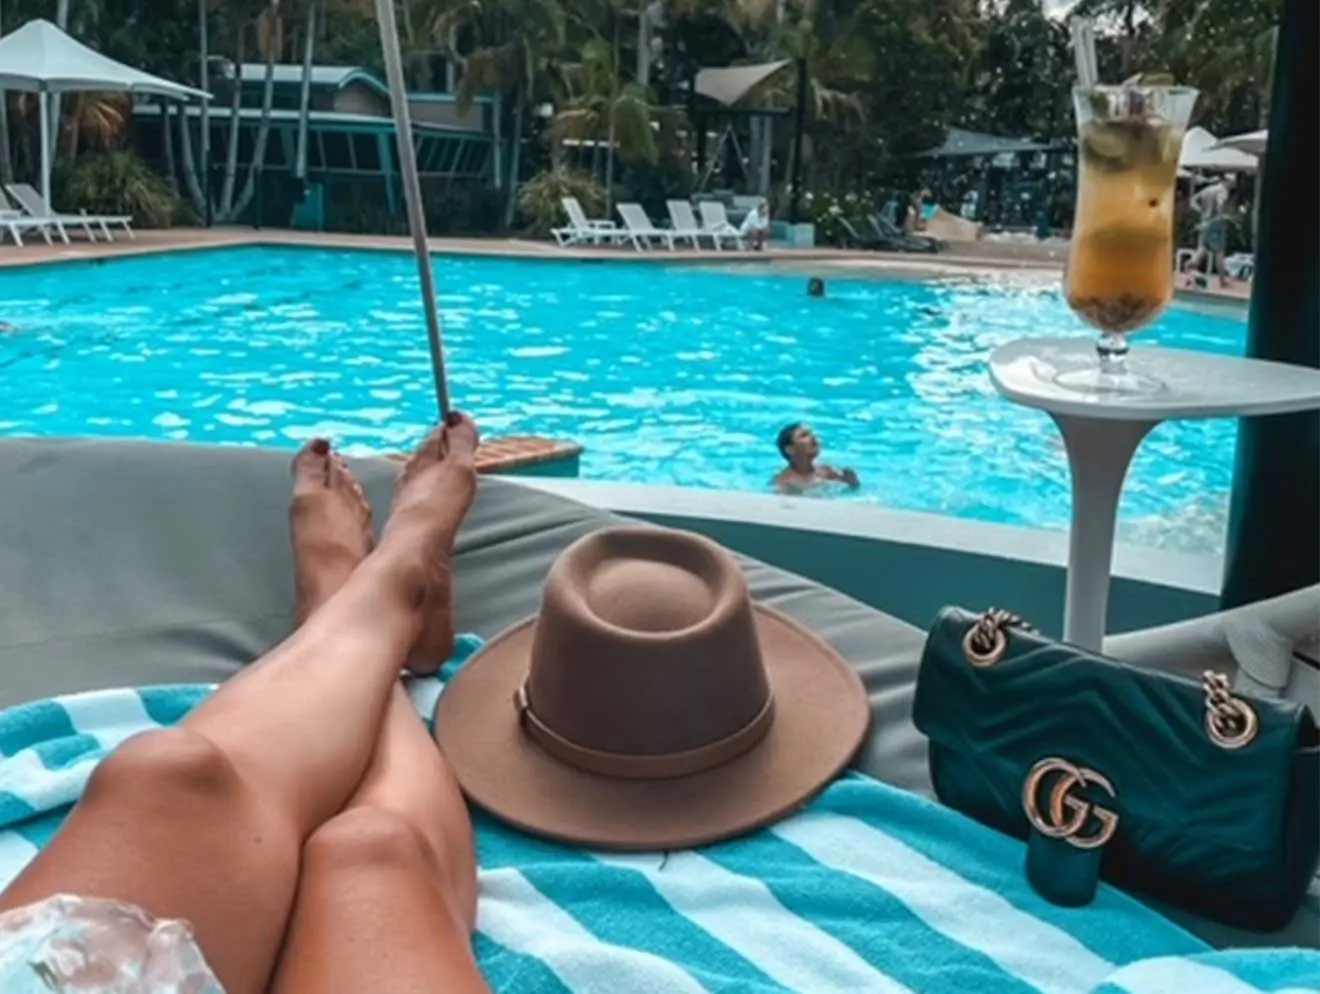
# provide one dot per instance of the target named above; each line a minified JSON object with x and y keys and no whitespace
{"x":330,"y":520}
{"x":435,"y":491}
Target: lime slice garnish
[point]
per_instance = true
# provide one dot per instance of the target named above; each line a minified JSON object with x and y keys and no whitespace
{"x":1105,"y":143}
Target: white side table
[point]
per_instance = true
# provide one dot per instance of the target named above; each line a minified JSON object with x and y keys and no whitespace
{"x":1101,"y":432}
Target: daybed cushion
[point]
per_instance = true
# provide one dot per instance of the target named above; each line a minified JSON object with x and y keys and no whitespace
{"x":126,"y":564}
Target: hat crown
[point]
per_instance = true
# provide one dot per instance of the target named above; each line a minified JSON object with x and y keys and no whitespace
{"x":646,"y":645}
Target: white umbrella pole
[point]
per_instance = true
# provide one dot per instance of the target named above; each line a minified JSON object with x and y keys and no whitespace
{"x":43,"y":102}
{"x":412,"y":193}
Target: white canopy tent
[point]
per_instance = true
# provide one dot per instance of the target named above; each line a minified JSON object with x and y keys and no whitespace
{"x":1202,"y":150}
{"x":1253,"y":142}
{"x":40,"y":58}
{"x":730,"y":84}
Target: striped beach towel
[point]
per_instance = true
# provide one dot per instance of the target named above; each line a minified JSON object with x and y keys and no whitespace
{"x":870,"y":889}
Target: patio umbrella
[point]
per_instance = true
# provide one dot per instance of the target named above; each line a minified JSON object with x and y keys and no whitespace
{"x":412,"y":194}
{"x":1201,"y":150}
{"x":1253,"y":142}
{"x":40,"y":58}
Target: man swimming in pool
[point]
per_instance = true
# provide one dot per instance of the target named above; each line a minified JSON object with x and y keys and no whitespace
{"x":799,"y":445}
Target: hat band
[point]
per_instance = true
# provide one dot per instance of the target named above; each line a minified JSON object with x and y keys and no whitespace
{"x":633,"y":766}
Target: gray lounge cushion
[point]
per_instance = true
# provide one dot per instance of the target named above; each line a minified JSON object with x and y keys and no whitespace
{"x":130,"y":563}
{"x":125,"y":564}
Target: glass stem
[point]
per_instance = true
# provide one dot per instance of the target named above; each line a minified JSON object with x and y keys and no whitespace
{"x":1113,"y":350}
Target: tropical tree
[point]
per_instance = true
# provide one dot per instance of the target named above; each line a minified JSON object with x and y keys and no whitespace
{"x":1021,"y":76}
{"x":602,"y":112}
{"x":1225,"y":51}
{"x":501,"y":47}
{"x":263,"y":22}
{"x":6,"y":163}
{"x":270,"y":39}
{"x":56,"y":101}
{"x":305,"y":90}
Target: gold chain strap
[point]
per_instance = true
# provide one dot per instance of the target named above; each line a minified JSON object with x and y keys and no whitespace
{"x":986,"y":641}
{"x":1230,"y":722}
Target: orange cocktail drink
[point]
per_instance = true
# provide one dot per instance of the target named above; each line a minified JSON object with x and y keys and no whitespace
{"x":1120,"y":262}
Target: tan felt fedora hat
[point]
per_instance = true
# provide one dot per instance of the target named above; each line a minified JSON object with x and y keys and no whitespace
{"x":650,"y":705}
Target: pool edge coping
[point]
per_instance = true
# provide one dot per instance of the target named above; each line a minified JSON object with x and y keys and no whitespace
{"x":844,"y":264}
{"x":1197,"y":572}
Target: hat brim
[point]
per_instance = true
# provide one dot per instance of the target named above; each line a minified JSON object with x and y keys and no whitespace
{"x":821,"y":717}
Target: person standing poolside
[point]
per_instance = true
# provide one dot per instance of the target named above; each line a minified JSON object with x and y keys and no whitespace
{"x":1212,"y":237}
{"x":915,"y":219}
{"x":799,"y":445}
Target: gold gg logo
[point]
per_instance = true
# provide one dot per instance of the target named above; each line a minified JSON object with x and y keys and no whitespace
{"x":1064,"y":813}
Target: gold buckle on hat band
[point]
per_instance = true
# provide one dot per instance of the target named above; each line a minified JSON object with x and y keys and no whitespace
{"x":633,"y":766}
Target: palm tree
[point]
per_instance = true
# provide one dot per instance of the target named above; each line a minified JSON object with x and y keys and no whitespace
{"x":501,"y":46}
{"x":204,"y":83}
{"x":601,"y":111}
{"x":270,"y":37}
{"x":56,"y":107}
{"x":6,"y":164}
{"x":1227,"y":55}
{"x":305,"y":93}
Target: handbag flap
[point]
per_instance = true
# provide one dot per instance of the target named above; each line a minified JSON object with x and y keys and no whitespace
{"x":1144,"y":730}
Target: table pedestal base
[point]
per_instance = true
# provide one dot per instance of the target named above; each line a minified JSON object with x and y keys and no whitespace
{"x":1099,"y":453}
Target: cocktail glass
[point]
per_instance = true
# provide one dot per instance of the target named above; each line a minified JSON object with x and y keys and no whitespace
{"x":1119,"y":275}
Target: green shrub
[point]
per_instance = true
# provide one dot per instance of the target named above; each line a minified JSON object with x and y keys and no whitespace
{"x":539,"y":198}
{"x":825,"y":209}
{"x":121,"y":183}
{"x":461,"y":207}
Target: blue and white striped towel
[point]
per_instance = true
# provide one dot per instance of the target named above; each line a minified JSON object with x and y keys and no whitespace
{"x":869,"y":890}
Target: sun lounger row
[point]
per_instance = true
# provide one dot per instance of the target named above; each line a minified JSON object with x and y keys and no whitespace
{"x":878,"y":232}
{"x":639,"y":231}
{"x":32,"y":215}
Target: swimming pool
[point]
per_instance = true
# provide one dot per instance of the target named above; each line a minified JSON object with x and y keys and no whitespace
{"x":666,"y":373}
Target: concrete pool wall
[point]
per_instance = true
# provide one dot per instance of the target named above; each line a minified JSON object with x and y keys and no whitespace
{"x":911,"y":565}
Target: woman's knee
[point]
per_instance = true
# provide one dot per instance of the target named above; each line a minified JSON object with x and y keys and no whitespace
{"x":168,"y":765}
{"x":373,"y":838}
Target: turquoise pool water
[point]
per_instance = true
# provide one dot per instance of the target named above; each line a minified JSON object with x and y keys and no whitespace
{"x":667,"y":374}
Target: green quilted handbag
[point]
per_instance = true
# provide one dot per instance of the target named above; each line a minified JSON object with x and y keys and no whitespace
{"x":1189,"y":793}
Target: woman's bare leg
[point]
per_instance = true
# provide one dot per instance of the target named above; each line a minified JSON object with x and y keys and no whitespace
{"x":206,"y":821}
{"x":387,"y":895}
{"x":392,"y":880}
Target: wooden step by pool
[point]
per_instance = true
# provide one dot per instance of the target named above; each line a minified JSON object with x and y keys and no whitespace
{"x":524,"y":455}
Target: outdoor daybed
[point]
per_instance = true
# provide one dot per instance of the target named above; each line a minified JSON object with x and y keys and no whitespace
{"x":127,"y":564}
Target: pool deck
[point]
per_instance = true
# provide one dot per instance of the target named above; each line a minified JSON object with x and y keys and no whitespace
{"x":972,"y":258}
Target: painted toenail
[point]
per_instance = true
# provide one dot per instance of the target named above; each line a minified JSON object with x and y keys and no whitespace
{"x":454,"y":418}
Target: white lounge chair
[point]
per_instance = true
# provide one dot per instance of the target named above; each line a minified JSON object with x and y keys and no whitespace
{"x":15,"y":222}
{"x":715,"y":222}
{"x":684,"y":224}
{"x":639,"y":229}
{"x":1241,"y":265}
{"x":1274,"y":646}
{"x":27,"y":197}
{"x":583,"y":230}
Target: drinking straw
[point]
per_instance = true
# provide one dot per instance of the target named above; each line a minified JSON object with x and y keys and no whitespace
{"x":1083,"y":38}
{"x":412,"y":194}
